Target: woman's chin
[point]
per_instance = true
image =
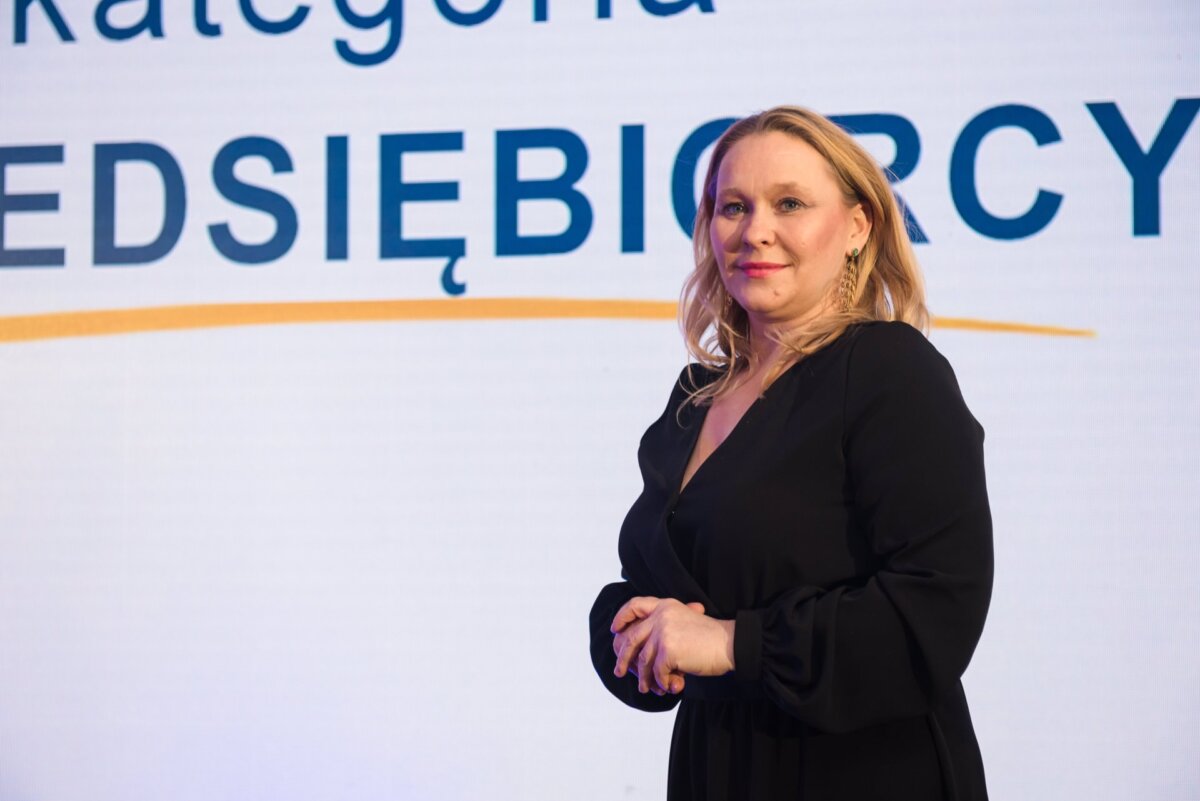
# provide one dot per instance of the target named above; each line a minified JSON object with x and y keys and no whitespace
{"x":769,"y":312}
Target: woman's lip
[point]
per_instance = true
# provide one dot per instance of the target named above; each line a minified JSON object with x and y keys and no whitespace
{"x":758,"y":269}
{"x":759,"y":265}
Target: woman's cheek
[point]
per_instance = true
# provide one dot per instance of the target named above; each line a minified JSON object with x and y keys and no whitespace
{"x":720,"y":233}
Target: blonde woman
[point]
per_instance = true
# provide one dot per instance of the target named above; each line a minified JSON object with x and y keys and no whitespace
{"x":808,"y":567}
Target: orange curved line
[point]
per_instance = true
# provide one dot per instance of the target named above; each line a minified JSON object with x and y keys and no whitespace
{"x":107,"y":322}
{"x":1001,"y":327}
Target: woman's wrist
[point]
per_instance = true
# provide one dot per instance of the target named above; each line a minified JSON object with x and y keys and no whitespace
{"x":730,"y":629}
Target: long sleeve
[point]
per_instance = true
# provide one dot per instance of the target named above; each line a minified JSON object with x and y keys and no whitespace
{"x":636,"y":574}
{"x":891,"y":645}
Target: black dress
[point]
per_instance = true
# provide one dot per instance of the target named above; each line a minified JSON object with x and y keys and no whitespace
{"x":844,"y":525}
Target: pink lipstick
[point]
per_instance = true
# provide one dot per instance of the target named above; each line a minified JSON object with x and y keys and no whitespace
{"x":759,"y":269}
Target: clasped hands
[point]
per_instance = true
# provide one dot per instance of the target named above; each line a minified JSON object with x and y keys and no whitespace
{"x":661,"y":639}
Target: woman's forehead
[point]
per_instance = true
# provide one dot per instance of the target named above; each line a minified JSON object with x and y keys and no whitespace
{"x":773,"y":160}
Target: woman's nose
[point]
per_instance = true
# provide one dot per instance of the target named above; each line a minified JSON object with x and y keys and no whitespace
{"x":759,"y":229}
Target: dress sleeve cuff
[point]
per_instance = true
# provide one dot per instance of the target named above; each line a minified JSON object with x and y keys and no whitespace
{"x":747,"y":646}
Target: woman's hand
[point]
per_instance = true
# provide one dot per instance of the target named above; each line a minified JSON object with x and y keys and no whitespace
{"x":660,"y":639}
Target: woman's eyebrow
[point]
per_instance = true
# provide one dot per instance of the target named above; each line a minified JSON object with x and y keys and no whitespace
{"x":781,"y":186}
{"x":788,"y":186}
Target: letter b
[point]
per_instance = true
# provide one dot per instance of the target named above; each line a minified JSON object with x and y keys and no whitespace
{"x":511,"y":190}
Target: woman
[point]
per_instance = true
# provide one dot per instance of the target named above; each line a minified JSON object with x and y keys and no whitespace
{"x":809,"y":564}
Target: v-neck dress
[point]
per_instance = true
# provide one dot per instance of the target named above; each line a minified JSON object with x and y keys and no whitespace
{"x":844,"y":525}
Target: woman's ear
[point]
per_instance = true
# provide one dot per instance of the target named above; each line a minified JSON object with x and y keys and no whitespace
{"x":860,"y":227}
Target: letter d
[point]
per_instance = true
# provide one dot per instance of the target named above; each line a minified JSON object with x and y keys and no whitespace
{"x":105,"y":250}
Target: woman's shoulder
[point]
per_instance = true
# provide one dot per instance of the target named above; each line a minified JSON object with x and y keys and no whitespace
{"x":892,"y":335}
{"x":893,"y":363}
{"x":694,"y":376}
{"x":892,"y":347}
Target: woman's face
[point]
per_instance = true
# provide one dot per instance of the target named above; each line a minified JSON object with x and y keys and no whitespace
{"x":781,"y":230}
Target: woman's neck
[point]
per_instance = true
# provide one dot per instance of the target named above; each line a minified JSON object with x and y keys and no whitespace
{"x":765,"y":337}
{"x":764,"y":346}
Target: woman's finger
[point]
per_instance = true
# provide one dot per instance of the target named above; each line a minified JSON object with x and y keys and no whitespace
{"x":622,"y":645}
{"x":630,"y":644}
{"x":645,"y":667}
{"x":662,"y":671}
{"x":634,"y":609}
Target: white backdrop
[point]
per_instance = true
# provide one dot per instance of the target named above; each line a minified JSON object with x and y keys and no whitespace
{"x":353,"y":559}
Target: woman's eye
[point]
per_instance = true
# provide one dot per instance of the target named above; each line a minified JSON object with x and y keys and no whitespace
{"x":732,"y":209}
{"x":790,"y":204}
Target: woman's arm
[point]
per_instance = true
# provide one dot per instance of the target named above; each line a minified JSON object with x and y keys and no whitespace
{"x":850,"y":657}
{"x":625,"y":687}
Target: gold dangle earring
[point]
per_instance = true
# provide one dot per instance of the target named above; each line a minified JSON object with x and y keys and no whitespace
{"x":849,"y":280}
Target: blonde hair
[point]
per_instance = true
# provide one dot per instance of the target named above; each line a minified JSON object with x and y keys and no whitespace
{"x":716,"y":329}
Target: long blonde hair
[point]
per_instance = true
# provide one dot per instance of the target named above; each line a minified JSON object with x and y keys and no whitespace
{"x":889,"y":286}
